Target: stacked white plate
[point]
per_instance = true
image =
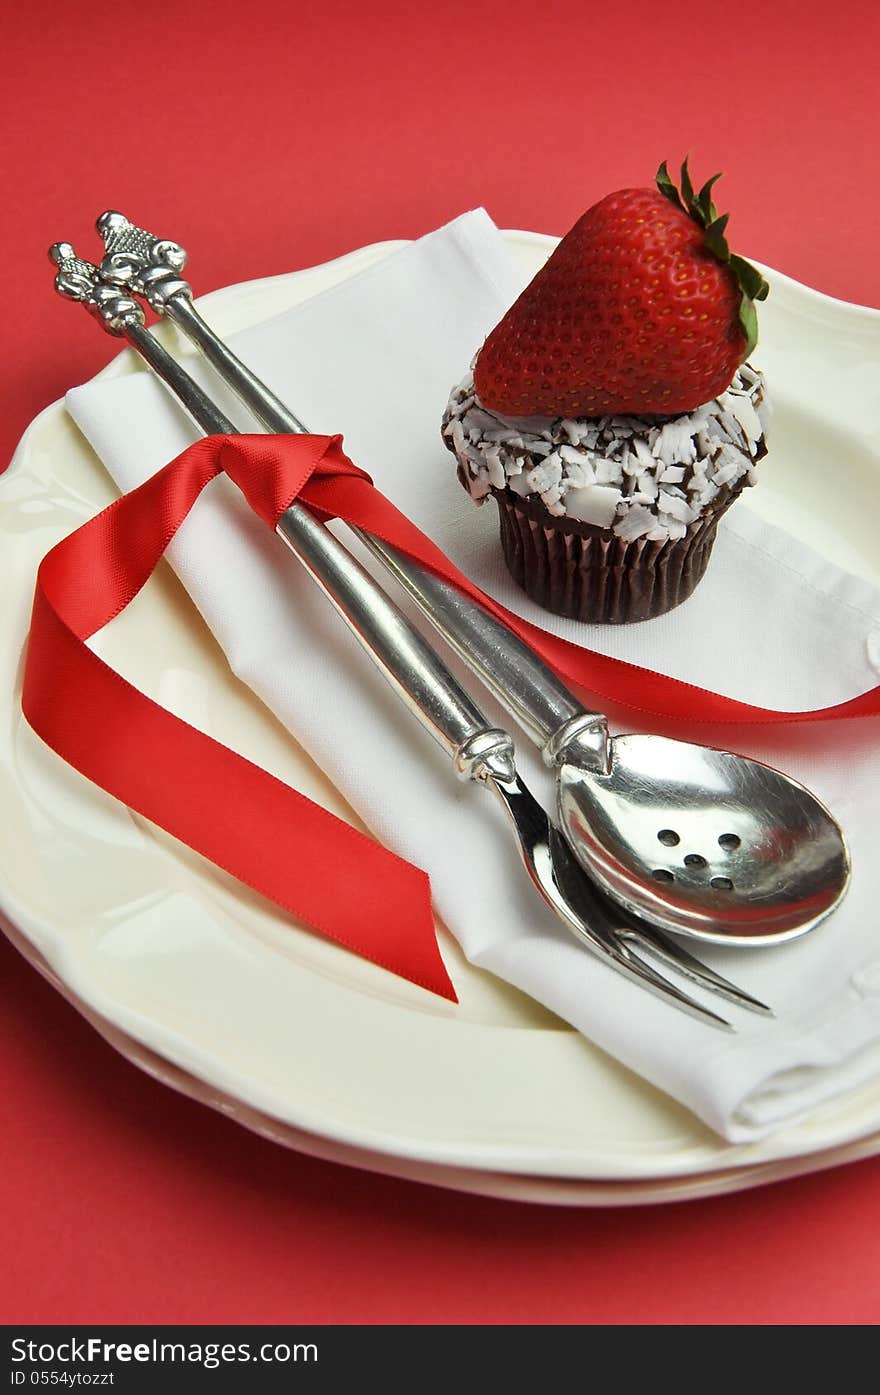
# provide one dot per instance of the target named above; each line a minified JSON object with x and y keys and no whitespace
{"x":202,"y":984}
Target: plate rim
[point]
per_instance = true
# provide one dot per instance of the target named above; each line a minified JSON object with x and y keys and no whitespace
{"x":534,"y":1189}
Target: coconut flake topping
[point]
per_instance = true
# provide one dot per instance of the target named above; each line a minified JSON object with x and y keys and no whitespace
{"x":645,"y":476}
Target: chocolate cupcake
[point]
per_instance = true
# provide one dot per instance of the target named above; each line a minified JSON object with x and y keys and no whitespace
{"x":610,"y":519}
{"x":612,"y":413}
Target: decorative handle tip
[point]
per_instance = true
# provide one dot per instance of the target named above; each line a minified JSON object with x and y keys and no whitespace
{"x":78,"y":279}
{"x":150,"y":266}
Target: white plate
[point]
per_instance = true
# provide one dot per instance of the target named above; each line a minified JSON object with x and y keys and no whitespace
{"x":201,"y":983}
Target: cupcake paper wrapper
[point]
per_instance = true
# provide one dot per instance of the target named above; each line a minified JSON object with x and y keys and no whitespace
{"x":587,"y":573}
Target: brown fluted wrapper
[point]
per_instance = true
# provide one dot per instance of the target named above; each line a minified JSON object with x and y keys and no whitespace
{"x":587,"y":573}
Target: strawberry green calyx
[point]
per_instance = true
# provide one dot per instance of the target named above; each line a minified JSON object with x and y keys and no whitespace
{"x":700,"y":207}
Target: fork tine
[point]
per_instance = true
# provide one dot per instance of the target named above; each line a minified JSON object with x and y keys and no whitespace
{"x":610,"y":931}
{"x":628,"y":962}
{"x":675,"y":956}
{"x":617,"y":932}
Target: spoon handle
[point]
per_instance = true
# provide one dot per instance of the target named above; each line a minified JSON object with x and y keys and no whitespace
{"x":526,"y":687}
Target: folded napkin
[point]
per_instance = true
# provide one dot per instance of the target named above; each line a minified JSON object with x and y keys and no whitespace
{"x":772,"y":624}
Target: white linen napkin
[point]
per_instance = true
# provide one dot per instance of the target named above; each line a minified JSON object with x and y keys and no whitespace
{"x":772,"y":623}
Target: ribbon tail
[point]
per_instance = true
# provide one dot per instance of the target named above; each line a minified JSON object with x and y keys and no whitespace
{"x":260,"y":830}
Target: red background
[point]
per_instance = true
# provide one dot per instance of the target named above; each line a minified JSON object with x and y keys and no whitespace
{"x":269,"y":137}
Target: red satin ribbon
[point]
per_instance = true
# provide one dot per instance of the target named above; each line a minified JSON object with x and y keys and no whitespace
{"x":244,"y":820}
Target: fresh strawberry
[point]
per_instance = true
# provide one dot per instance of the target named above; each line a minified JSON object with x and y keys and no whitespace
{"x":641,"y":309}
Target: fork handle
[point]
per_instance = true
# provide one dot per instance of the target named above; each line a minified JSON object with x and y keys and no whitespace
{"x":404,"y":657}
{"x":526,"y":687}
{"x":266,"y":407}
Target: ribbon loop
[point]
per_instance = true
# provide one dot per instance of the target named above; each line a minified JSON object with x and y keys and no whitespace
{"x":272,"y":471}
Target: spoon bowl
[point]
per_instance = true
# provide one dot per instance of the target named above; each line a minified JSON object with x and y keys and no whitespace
{"x":710,"y":844}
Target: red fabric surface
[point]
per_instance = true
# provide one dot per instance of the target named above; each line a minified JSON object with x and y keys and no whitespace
{"x":122,"y":1201}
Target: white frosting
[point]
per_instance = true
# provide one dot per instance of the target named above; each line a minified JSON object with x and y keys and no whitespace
{"x":646,"y":476}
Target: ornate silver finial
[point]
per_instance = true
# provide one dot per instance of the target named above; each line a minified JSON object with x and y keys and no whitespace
{"x":80,"y":280}
{"x":149,"y":265}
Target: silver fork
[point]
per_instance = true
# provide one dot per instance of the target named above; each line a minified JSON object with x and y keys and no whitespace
{"x":430,"y":691}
